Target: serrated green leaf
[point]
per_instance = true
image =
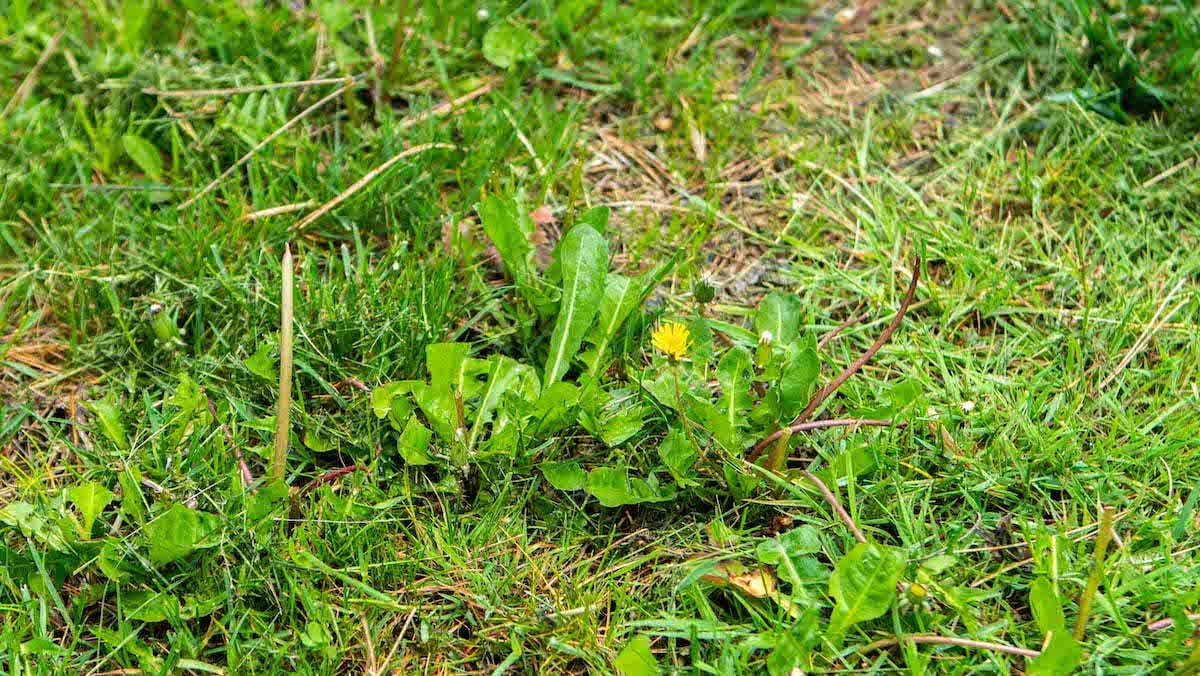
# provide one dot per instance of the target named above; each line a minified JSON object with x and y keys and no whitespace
{"x":555,"y":409}
{"x":507,"y":44}
{"x":414,"y":443}
{"x":620,"y":298}
{"x":904,"y":393}
{"x":617,"y":429}
{"x":613,"y":488}
{"x":564,"y":476}
{"x":144,"y":154}
{"x":863,"y":586}
{"x":439,"y":408}
{"x":108,"y":415}
{"x":269,"y":499}
{"x":678,"y":455}
{"x":384,"y":396}
{"x":636,"y":659}
{"x":794,"y":544}
{"x":792,"y":647}
{"x":503,"y":373}
{"x":187,"y":394}
{"x":262,"y":363}
{"x":701,"y":350}
{"x":132,"y":500}
{"x":780,"y":313}
{"x":149,"y":606}
{"x":90,"y":499}
{"x":583,"y":256}
{"x":177,"y":533}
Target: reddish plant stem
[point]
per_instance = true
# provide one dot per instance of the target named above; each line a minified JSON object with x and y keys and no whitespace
{"x":1158,"y":625}
{"x":821,"y":424}
{"x":837,"y":506}
{"x":825,"y":339}
{"x":853,"y":368}
{"x":247,"y":477}
{"x":330,"y":476}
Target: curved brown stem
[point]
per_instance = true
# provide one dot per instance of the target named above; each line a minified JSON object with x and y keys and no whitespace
{"x":328,"y":477}
{"x":837,"y":506}
{"x":247,"y":477}
{"x":824,"y":393}
{"x":841,"y":327}
{"x":821,"y":424}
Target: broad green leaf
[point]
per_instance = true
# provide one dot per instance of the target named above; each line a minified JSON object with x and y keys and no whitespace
{"x":636,"y":659}
{"x":792,"y":647}
{"x":144,"y":154}
{"x":447,"y":363}
{"x":555,"y":409}
{"x":149,"y":606}
{"x":1060,"y":656}
{"x":797,"y":381}
{"x":108,"y":416}
{"x":506,"y":44}
{"x":1046,"y":606}
{"x":678,"y":455}
{"x":795,"y":543}
{"x":597,"y":217}
{"x":316,"y":443}
{"x":613,"y":488}
{"x":701,"y":351}
{"x":863,"y":586}
{"x":187,"y":394}
{"x":440,"y":409}
{"x":662,"y":388}
{"x":32,"y":522}
{"x":617,"y":429}
{"x":383,"y":397}
{"x":564,"y":476}
{"x":90,"y":499}
{"x":502,"y":375}
{"x":904,"y":393}
{"x":262,"y":362}
{"x":132,"y":500}
{"x":414,"y":443}
{"x":610,"y":416}
{"x":271,"y":498}
{"x":42,"y":646}
{"x":583,"y":255}
{"x":177,"y":532}
{"x":740,"y":485}
{"x":620,"y":298}
{"x":734,"y":374}
{"x":512,"y":234}
{"x":853,"y":462}
{"x":780,"y":313}
{"x":710,"y":418}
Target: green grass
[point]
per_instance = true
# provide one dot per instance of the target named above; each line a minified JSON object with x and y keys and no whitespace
{"x":1050,"y":189}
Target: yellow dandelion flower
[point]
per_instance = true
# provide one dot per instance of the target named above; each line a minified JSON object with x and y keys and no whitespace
{"x":672,"y":339}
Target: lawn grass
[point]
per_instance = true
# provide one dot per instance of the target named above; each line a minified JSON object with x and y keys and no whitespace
{"x":1046,"y":371}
